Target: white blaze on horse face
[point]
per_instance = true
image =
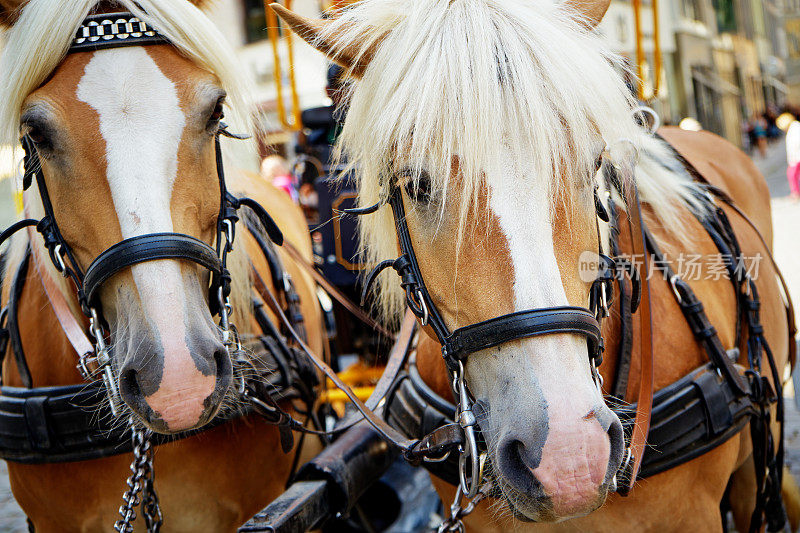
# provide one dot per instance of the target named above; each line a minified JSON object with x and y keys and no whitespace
{"x":544,"y":382}
{"x":142,"y":124}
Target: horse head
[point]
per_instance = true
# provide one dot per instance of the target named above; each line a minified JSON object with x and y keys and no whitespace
{"x":485,"y":116}
{"x":126,"y":140}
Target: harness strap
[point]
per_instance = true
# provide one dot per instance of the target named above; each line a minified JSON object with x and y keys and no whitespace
{"x":694,"y":312}
{"x":690,"y":417}
{"x":787,"y":299}
{"x":15,"y":338}
{"x":693,"y":165}
{"x":490,"y":333}
{"x":280,"y":279}
{"x":72,"y":327}
{"x":334,"y":291}
{"x":413,"y":450}
{"x":620,"y":384}
{"x":150,"y":247}
{"x":397,"y":360}
{"x":644,"y":403}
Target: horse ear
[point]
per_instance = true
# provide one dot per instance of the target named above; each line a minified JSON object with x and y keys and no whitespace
{"x":9,"y":12}
{"x":591,"y":11}
{"x":202,"y":4}
{"x":351,"y":57}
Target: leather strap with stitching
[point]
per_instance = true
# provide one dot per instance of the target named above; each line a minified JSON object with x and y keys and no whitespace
{"x":496,"y":331}
{"x":334,"y":291}
{"x":150,"y":247}
{"x":644,"y":404}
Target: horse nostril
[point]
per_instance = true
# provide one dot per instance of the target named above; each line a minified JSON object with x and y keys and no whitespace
{"x":129,"y":384}
{"x":224,"y":367}
{"x":616,"y":439}
{"x":515,"y":464}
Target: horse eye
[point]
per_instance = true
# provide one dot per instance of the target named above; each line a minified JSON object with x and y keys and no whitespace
{"x":419,"y":190}
{"x":37,"y":134}
{"x":217,"y":114}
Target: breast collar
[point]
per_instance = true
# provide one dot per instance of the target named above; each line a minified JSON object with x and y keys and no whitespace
{"x":457,"y":345}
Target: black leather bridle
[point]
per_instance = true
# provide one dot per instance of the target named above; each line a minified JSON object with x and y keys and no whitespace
{"x":111,"y":30}
{"x":459,"y":344}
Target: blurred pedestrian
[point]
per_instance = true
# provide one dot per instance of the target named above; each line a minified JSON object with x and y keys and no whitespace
{"x":793,"y":158}
{"x":275,"y":169}
{"x":760,"y":134}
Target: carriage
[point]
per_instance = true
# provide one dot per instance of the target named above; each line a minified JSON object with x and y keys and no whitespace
{"x":523,"y":372}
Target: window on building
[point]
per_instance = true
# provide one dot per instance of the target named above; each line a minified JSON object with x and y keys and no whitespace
{"x":255,"y":21}
{"x":692,"y":10}
{"x":726,"y":16}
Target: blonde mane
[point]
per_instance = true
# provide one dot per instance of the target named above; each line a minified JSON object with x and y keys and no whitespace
{"x":477,"y":81}
{"x":38,"y":43}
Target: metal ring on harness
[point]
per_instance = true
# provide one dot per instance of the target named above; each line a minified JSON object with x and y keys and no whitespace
{"x":469,"y":455}
{"x":645,"y":110}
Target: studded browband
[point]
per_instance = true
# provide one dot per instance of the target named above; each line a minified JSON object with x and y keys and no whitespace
{"x":109,"y":30}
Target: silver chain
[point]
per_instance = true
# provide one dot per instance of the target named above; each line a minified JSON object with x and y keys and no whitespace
{"x":141,"y":481}
{"x":454,"y":523}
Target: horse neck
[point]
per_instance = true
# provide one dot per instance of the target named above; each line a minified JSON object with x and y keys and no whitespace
{"x":48,"y":353}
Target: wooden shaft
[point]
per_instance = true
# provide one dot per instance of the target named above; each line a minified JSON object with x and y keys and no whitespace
{"x":656,"y":50}
{"x":274,"y":37}
{"x":640,"y":59}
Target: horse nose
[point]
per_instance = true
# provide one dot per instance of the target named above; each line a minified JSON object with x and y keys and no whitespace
{"x":563,"y":471}
{"x":176,"y":396}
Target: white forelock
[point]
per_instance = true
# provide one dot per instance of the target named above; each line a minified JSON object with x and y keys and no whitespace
{"x":475,"y":81}
{"x":40,"y":39}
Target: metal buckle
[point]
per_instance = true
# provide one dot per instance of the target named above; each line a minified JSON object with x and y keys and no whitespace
{"x":424,"y":306}
{"x":224,"y":324}
{"x":598,"y":378}
{"x":229,"y":234}
{"x":469,"y":455}
{"x":103,"y":361}
{"x":604,"y":300}
{"x":60,"y":265}
{"x":673,"y":282}
{"x":645,"y":110}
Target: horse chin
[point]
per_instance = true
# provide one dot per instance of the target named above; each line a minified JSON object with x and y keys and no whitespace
{"x":135,"y":406}
{"x":144,"y":416}
{"x":533,"y":509}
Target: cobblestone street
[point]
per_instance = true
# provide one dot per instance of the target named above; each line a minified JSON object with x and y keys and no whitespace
{"x":786,"y":221}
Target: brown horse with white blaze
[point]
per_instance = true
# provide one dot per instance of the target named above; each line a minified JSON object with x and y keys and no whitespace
{"x":126,"y":140}
{"x":488,"y":117}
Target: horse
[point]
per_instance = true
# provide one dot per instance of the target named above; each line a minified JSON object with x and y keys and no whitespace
{"x":125,"y":137}
{"x":490,"y":128}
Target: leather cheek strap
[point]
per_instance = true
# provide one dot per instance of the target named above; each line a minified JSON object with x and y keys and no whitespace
{"x":523,"y":324}
{"x":143,"y":248}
